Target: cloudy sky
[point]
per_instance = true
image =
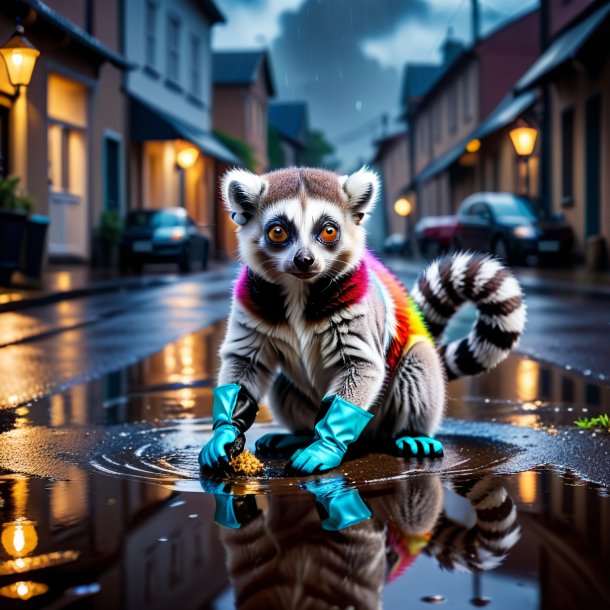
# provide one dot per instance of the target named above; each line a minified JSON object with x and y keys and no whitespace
{"x":345,"y":57}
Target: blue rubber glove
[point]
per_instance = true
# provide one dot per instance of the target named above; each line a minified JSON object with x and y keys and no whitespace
{"x":225,"y":433}
{"x":341,"y":425}
{"x":341,"y":505}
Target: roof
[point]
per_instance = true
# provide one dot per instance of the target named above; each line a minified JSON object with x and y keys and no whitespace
{"x":289,"y":119}
{"x":241,"y":68}
{"x":564,"y":49}
{"x":418,"y":79}
{"x":149,"y":123}
{"x":46,"y":13}
{"x":505,"y":113}
{"x":211,"y":10}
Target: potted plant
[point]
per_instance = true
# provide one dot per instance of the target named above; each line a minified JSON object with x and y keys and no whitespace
{"x":14,"y":208}
{"x":108,"y":238}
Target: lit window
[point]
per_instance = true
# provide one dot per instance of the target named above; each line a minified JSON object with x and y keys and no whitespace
{"x":173,"y":49}
{"x":151,"y":34}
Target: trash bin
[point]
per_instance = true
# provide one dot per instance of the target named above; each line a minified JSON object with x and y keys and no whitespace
{"x":12,"y":226}
{"x":33,"y":250}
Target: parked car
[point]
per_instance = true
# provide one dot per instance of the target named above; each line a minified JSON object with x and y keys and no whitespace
{"x":511,"y":227}
{"x":166,"y":235}
{"x":433,"y":234}
{"x":397,"y":243}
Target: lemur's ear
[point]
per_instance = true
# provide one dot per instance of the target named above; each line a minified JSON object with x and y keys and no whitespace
{"x":361,"y":189}
{"x":242,"y":191}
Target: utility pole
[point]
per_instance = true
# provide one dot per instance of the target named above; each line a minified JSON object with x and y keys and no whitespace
{"x":475,"y":16}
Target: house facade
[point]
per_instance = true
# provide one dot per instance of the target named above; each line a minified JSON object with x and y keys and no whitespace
{"x":451,"y":156}
{"x":573,"y":77}
{"x":243,"y":84}
{"x":64,"y":134}
{"x":288,"y":132}
{"x":174,"y":155}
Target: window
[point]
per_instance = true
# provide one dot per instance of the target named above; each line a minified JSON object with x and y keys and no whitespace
{"x":112,"y":173}
{"x":452,"y":119}
{"x":567,"y":155}
{"x":195,"y":66}
{"x":466,"y":97}
{"x":438,"y":120}
{"x":173,"y":49}
{"x":151,"y":34}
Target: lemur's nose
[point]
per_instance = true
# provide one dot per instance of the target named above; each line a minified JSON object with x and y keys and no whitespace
{"x":304,"y":259}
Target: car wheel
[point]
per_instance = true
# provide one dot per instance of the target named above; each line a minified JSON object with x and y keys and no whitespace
{"x":500,"y":249}
{"x":185,"y":262}
{"x":136,"y":265}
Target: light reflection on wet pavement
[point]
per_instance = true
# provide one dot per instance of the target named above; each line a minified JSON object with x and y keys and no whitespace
{"x":103,"y":507}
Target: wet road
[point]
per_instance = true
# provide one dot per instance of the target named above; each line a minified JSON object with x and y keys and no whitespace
{"x":102,"y":505}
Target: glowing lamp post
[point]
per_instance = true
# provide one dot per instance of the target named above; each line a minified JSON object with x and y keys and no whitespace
{"x":20,"y":56}
{"x":524,"y":140}
{"x":403,"y":207}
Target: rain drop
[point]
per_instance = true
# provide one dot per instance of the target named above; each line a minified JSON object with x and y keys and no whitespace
{"x":358,"y":105}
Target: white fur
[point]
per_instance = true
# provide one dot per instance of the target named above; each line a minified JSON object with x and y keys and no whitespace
{"x":357,"y":185}
{"x":254,"y":186}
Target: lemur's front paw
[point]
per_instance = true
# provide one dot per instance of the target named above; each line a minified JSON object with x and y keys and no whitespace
{"x":419,"y":446}
{"x":219,"y":450}
{"x":318,"y":457}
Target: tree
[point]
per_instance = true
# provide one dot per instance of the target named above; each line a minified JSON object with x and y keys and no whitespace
{"x":239,"y":148}
{"x":319,"y":151}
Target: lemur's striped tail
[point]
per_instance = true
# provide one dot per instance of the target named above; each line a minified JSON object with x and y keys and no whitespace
{"x":485,"y":545}
{"x":451,"y":281}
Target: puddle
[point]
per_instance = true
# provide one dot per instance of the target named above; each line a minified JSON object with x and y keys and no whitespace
{"x":102,"y":505}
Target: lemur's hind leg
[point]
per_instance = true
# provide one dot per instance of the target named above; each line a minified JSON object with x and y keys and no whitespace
{"x":417,"y":400}
{"x":293,"y":409}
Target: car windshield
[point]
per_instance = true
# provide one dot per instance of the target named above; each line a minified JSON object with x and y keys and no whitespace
{"x":514,"y":206}
{"x":154,"y":219}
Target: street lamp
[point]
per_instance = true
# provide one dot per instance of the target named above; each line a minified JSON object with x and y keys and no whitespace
{"x":20,"y":56}
{"x":523,"y":138}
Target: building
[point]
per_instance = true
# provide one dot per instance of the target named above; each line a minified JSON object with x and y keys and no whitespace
{"x":452,"y":156}
{"x":64,"y":134}
{"x":243,"y":84}
{"x":288,"y":132}
{"x":393,"y":163}
{"x":573,"y":78}
{"x":174,"y":155}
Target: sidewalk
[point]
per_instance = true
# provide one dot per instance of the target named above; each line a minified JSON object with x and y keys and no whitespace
{"x":61,"y":282}
{"x":544,"y":280}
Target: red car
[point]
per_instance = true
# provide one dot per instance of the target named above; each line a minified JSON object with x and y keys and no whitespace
{"x":434,"y":234}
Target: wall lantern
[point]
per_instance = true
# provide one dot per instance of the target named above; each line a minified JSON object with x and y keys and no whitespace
{"x":403,"y":207}
{"x":473,"y":146}
{"x":187,"y":157}
{"x":20,"y":56}
{"x":524,"y":140}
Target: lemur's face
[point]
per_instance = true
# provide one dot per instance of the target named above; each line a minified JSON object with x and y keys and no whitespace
{"x":300,"y":223}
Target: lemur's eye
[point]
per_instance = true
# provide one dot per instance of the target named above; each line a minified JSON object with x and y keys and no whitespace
{"x":328,"y":235}
{"x":277,"y":234}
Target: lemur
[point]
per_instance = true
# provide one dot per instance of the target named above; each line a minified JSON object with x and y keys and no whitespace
{"x":284,"y":557}
{"x":321,"y":326}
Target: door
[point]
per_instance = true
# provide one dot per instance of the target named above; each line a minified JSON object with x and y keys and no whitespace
{"x":112,"y":173}
{"x":592,"y":165}
{"x":4,"y":165}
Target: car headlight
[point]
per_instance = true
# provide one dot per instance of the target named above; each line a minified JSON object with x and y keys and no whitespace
{"x":524,"y":232}
{"x":177,"y":234}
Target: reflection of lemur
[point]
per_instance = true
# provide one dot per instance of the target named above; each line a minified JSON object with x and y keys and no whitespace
{"x":355,"y":357}
{"x":282,"y":558}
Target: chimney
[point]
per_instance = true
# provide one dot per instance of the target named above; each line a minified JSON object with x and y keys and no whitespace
{"x":475,"y":21}
{"x":451,"y":47}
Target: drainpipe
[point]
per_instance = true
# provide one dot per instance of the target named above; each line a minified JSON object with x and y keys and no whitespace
{"x":545,"y":123}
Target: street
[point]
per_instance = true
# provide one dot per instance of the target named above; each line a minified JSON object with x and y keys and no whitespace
{"x":106,"y":400}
